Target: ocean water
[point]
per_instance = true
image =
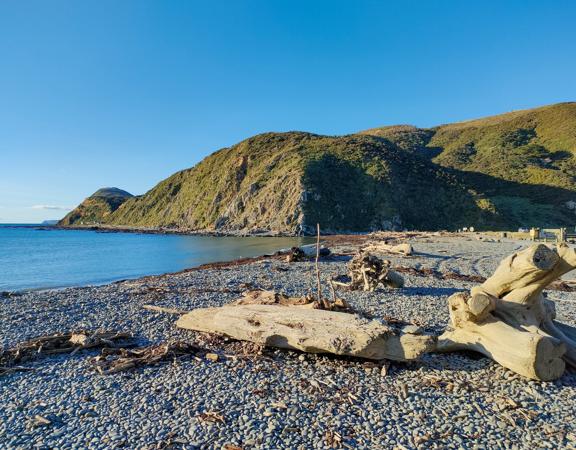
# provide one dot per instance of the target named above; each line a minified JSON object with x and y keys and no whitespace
{"x":33,"y":258}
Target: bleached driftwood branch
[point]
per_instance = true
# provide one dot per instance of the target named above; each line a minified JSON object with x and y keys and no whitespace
{"x":508,"y":318}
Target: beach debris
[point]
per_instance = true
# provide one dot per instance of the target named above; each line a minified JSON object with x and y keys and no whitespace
{"x":160,"y":292}
{"x":162,"y":309}
{"x":113,"y":360}
{"x":264,"y":297}
{"x":309,"y":330}
{"x":212,"y":357}
{"x":403,"y":249}
{"x":428,"y":272}
{"x":487,"y":239}
{"x":508,"y":319}
{"x":563,"y":285}
{"x":232,"y":447}
{"x":307,"y":252}
{"x":172,"y":441}
{"x":296,"y":254}
{"x":211,"y":416}
{"x":333,"y":439}
{"x":39,"y":420}
{"x":70,"y":342}
{"x":367,"y":272}
{"x":317,"y":249}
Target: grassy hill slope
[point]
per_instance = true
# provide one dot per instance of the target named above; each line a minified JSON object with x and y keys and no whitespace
{"x":523,"y":162}
{"x":500,"y":172}
{"x":287,"y":182}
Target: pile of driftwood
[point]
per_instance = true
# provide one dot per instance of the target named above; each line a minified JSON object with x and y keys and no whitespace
{"x":367,"y":272}
{"x":113,"y":360}
{"x":118,"y":353}
{"x":11,"y":359}
{"x":507,"y":318}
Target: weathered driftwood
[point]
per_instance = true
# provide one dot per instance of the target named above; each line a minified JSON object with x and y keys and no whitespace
{"x":260,"y":297}
{"x":382,"y":247}
{"x":510,"y":320}
{"x":70,"y":342}
{"x":113,"y":360}
{"x":296,"y":254}
{"x":311,"y":250}
{"x":367,"y":272}
{"x":306,"y":252}
{"x":164,"y":309}
{"x":309,"y":330}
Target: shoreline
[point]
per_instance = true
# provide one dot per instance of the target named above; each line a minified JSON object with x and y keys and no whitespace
{"x":329,"y":240}
{"x":152,"y":230}
{"x":205,"y":266}
{"x":231,"y":233}
{"x":240,"y":250}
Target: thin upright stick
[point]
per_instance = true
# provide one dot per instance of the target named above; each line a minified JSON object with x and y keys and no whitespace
{"x":319,"y":294}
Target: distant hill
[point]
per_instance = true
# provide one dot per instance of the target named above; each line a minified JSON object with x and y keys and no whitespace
{"x":500,"y":172}
{"x":97,"y":208}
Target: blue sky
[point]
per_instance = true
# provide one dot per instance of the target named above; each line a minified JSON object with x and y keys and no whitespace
{"x":124,"y":93}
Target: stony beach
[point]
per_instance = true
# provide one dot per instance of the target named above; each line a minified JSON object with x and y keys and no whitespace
{"x":277,"y":399}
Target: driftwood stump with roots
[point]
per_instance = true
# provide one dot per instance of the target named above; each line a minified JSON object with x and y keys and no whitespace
{"x":510,"y":320}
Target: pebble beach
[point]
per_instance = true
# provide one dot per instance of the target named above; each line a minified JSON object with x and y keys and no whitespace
{"x":275,"y":399}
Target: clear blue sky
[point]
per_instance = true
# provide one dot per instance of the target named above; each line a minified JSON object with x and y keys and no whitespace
{"x":124,"y":93}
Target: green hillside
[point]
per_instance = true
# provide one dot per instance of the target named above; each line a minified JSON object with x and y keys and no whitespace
{"x":501,"y":172}
{"x":97,"y":208}
{"x":522,"y":162}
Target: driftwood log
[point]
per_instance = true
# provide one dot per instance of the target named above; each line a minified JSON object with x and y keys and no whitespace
{"x":310,"y":330}
{"x":263,"y":297}
{"x":382,"y":247}
{"x":509,"y":319}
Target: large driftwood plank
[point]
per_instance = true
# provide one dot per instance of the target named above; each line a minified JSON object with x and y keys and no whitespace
{"x":309,"y":330}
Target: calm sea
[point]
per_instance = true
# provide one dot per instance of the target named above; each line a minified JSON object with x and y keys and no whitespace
{"x":32,"y":258}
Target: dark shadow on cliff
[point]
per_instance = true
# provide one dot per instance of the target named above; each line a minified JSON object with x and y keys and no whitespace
{"x":415,"y":193}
